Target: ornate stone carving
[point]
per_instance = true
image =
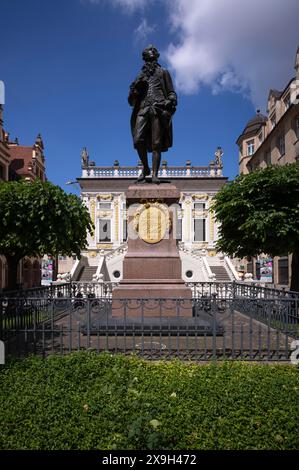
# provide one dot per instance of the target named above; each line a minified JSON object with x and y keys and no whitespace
{"x":104,"y":246}
{"x":199,"y":214}
{"x":105,"y":214}
{"x":200,"y":245}
{"x":104,"y":197}
{"x":200,"y":196}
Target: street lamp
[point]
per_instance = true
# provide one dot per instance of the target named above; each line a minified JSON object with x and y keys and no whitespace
{"x":74,"y":182}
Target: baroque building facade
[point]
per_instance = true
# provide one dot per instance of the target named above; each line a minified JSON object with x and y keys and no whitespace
{"x":273,"y":139}
{"x":103,"y":192}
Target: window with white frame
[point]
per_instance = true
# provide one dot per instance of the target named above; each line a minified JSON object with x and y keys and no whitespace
{"x":104,"y":230}
{"x":125,"y":230}
{"x":199,"y":206}
{"x":199,"y":222}
{"x":104,"y":206}
{"x":125,"y":222}
{"x":283,"y":271}
{"x":250,"y":147}
{"x":273,"y":121}
{"x":199,"y":230}
{"x":179,"y":228}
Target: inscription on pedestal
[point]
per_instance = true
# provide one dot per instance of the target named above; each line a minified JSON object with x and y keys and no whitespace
{"x":152,"y":222}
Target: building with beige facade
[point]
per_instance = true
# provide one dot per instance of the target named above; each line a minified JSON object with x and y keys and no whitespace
{"x":273,"y":139}
{"x":103,"y":191}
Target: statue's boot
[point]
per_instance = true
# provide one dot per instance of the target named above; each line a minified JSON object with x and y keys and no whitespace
{"x":156,"y":166}
{"x":142,"y":177}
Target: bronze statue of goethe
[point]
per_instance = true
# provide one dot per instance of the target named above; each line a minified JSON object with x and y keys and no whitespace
{"x":154,"y":101}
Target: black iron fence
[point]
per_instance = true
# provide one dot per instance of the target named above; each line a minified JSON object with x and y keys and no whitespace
{"x":217,"y":323}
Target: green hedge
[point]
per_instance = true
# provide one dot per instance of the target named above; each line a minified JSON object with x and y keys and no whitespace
{"x":89,"y":401}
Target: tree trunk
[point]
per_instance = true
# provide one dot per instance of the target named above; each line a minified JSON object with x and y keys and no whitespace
{"x":295,"y":271}
{"x":12,"y":264}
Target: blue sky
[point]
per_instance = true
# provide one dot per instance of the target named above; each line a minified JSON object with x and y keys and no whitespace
{"x":67,"y":66}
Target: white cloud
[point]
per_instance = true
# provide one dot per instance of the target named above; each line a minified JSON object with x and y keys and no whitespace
{"x":143,"y":31}
{"x":237,"y":45}
{"x":127,"y":5}
{"x":245,"y":46}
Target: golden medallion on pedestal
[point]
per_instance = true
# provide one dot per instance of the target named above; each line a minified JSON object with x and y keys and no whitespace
{"x":152,"y":222}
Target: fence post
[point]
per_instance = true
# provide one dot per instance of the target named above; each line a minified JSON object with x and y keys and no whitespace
{"x":234,"y":289}
{"x":88,"y":300}
{"x":1,"y":319}
{"x":214,"y":311}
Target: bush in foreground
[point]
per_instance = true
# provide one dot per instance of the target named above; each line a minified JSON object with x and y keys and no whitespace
{"x":89,"y":401}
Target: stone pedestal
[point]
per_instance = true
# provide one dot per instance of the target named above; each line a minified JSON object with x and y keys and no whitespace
{"x":152,"y":265}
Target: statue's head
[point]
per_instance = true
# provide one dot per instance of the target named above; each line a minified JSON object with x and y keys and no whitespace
{"x":150,"y":54}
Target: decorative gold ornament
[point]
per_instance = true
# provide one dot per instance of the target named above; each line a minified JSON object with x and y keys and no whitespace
{"x":104,"y":214}
{"x":200,"y":196}
{"x":200,"y":214}
{"x":152,"y":222}
{"x":105,"y":246}
{"x":104,"y":197}
{"x":92,"y":254}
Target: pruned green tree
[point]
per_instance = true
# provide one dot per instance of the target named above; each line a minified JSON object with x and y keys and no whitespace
{"x":37,"y":219}
{"x":259,"y":213}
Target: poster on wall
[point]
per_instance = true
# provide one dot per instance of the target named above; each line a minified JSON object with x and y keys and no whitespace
{"x":266,"y":270}
{"x":47,"y":270}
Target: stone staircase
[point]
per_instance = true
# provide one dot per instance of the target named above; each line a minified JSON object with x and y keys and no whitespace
{"x":86,"y":273}
{"x":220,"y":272}
{"x":192,"y":260}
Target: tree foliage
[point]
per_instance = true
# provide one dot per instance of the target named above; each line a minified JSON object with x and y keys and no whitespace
{"x":259,"y":213}
{"x":40,"y":218}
